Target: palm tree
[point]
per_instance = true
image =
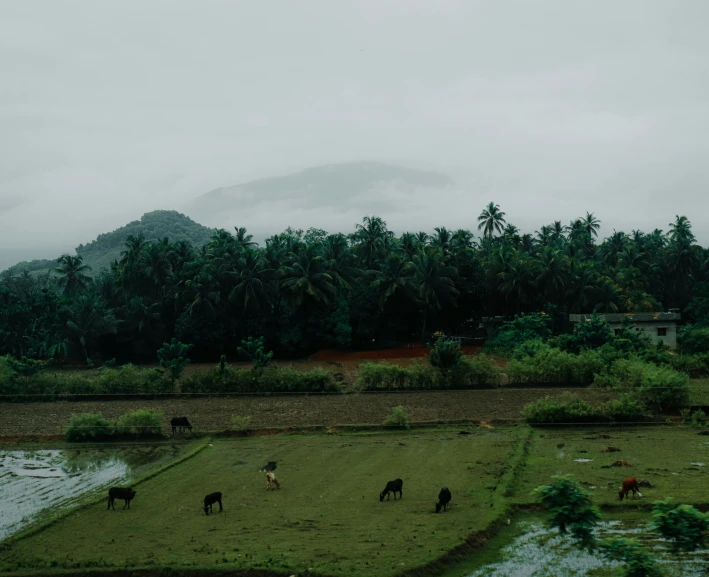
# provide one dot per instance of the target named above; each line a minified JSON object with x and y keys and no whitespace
{"x":243,"y":239}
{"x":433,"y":283}
{"x":681,"y":230}
{"x":90,"y":319}
{"x":442,"y":240}
{"x":72,"y":269}
{"x":252,"y":276}
{"x":393,"y":276}
{"x":133,"y":251}
{"x":306,"y":278}
{"x":491,"y":219}
{"x":370,"y":238}
{"x":591,"y":224}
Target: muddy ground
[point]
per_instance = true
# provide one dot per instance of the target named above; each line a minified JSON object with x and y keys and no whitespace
{"x":214,"y":414}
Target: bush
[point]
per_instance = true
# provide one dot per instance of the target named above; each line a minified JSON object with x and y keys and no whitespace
{"x":696,"y":418}
{"x":270,"y":380}
{"x":141,"y":423}
{"x":255,"y":351}
{"x":173,"y":356}
{"x":240,"y":423}
{"x":88,"y":427}
{"x":376,"y":376}
{"x":626,"y":408}
{"x":551,"y":365}
{"x":692,"y":339}
{"x":398,"y":418}
{"x":683,"y":525}
{"x":129,"y":379}
{"x":638,"y":562}
{"x":694,"y":365}
{"x":478,"y":372}
{"x":523,"y":328}
{"x":565,"y":409}
{"x":445,"y":355}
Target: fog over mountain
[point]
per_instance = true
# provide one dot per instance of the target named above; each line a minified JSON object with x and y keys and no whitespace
{"x":552,"y":108}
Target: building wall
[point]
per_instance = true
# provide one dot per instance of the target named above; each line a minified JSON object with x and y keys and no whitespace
{"x":650,"y":330}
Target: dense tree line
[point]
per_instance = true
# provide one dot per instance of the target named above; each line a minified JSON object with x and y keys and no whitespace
{"x":308,"y":289}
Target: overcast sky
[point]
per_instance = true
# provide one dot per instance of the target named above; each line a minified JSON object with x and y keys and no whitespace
{"x":548,"y":107}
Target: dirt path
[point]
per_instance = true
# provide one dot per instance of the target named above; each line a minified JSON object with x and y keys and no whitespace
{"x":214,"y":414}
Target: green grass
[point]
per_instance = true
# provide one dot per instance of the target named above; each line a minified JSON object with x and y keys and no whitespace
{"x":327,"y":517}
{"x":661,"y":454}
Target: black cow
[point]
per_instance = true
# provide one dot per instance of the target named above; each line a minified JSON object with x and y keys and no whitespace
{"x":210,"y":499}
{"x":392,"y":487}
{"x":181,"y":423}
{"x":120,"y":493}
{"x":444,"y":497}
{"x":268,"y":468}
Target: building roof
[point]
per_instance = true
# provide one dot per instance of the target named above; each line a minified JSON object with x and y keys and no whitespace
{"x":637,"y":317}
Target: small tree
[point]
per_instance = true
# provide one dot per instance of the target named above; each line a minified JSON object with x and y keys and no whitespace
{"x":445,"y":355}
{"x":222,"y":364}
{"x":571,"y":509}
{"x":255,"y":350}
{"x":639,"y":563}
{"x":173,"y":356}
{"x":683,"y":525}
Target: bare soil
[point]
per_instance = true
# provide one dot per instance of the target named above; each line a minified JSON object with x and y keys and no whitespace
{"x":214,"y":414}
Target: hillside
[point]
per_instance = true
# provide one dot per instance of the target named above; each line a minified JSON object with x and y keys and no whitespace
{"x":99,"y":253}
{"x":361,"y":184}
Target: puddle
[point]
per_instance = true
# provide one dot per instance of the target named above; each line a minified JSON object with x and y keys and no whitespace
{"x":32,"y":482}
{"x":583,"y":460}
{"x":543,"y":552}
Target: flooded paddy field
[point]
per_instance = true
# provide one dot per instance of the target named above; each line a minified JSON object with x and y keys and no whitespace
{"x":528,"y":548}
{"x":35,"y":482}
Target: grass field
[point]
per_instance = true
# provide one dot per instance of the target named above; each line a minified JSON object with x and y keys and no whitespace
{"x":326,"y":517}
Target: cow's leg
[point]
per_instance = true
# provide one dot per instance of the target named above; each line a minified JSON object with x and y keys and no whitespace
{"x":109,"y":503}
{"x":220,"y":506}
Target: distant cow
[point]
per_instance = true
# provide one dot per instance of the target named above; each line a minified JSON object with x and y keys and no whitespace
{"x":272,"y":482}
{"x":210,"y":499}
{"x":119,"y":493}
{"x":271,"y":466}
{"x":180,"y":423}
{"x":630,"y":484}
{"x":392,"y":487}
{"x":444,"y":497}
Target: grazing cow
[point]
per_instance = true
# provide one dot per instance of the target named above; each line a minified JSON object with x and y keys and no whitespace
{"x":180,"y":423}
{"x":271,"y":466}
{"x":392,"y":487}
{"x":120,"y":493}
{"x":444,"y":497}
{"x":210,"y":499}
{"x":630,"y":484}
{"x":272,"y":482}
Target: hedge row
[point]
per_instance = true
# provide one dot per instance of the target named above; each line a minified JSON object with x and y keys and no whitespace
{"x":84,"y":427}
{"x":270,"y":379}
{"x":572,"y":409}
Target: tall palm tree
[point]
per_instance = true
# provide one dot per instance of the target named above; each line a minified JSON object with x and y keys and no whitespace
{"x":591,"y":224}
{"x":133,"y":250}
{"x":306,"y":278}
{"x":371,"y":239}
{"x":393,"y":276}
{"x":491,"y":219}
{"x":72,"y":272}
{"x":432,"y":282}
{"x":243,"y":239}
{"x":252,"y":276}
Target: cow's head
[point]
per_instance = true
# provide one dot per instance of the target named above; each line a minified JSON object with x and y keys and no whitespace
{"x":621,"y":494}
{"x":381,"y":495}
{"x":438,"y":507}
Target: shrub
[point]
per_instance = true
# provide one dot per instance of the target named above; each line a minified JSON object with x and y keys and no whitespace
{"x":374,"y":376}
{"x":141,"y":423}
{"x":398,"y":418}
{"x":173,"y":356}
{"x":445,"y":355}
{"x":695,"y":366}
{"x":638,"y":562}
{"x":478,"y":372}
{"x":270,"y":380}
{"x":240,"y":423}
{"x":571,"y":509}
{"x":88,"y":427}
{"x":692,"y":339}
{"x":130,"y":379}
{"x":627,"y":407}
{"x":693,"y":419}
{"x":565,"y":409}
{"x":683,"y":525}
{"x":256,"y":352}
{"x":523,"y":328}
{"x":551,"y":365}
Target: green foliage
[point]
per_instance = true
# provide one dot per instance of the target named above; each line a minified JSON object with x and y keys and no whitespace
{"x":693,"y":339}
{"x":551,"y":365}
{"x":398,"y":418}
{"x":638,"y":561}
{"x":85,"y":427}
{"x":173,"y":356}
{"x":571,"y":509}
{"x":445,"y":355}
{"x":255,"y":351}
{"x":592,"y":334}
{"x":24,"y":367}
{"x":569,"y":408}
{"x":683,"y":525}
{"x":478,"y":372}
{"x":656,"y":386}
{"x":129,"y":379}
{"x":696,"y":418}
{"x":240,"y":423}
{"x":270,"y":380}
{"x":524,"y":327}
{"x":222,"y":363}
{"x":141,"y":423}
{"x":695,"y":366}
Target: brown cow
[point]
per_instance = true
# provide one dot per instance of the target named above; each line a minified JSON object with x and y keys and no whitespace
{"x":630,"y":484}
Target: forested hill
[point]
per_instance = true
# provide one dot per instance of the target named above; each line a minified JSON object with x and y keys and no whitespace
{"x":154,"y":226}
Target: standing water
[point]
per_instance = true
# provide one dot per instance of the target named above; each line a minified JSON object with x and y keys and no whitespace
{"x":32,"y":482}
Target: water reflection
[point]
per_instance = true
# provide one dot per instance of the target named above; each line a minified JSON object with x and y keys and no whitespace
{"x":32,"y":482}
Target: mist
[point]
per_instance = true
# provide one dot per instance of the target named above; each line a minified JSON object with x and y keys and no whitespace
{"x":549,"y":108}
